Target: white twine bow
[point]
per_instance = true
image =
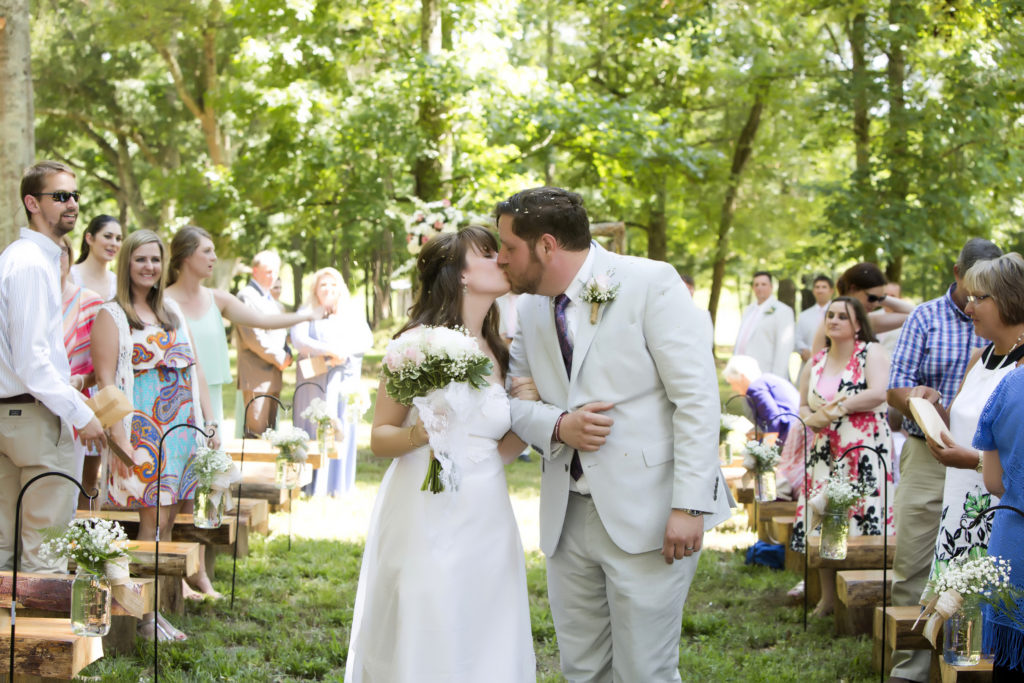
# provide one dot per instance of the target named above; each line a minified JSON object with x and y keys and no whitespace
{"x":938,"y":610}
{"x":221,"y":487}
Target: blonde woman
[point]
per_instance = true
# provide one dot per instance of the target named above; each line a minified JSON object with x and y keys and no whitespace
{"x":330,"y":353}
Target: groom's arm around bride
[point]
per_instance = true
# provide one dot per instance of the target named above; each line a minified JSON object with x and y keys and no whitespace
{"x":627,"y":423}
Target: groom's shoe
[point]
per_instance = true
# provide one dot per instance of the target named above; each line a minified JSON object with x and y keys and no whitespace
{"x":525,"y":456}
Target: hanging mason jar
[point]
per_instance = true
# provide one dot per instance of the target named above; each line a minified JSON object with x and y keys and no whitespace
{"x":962,"y":635}
{"x":287,"y":473}
{"x":330,"y":438}
{"x":725,"y":453}
{"x":764,"y":486}
{"x":207,"y":514}
{"x":835,"y":528}
{"x":90,"y":604}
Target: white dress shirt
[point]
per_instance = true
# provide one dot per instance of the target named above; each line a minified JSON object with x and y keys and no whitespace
{"x":807,"y":325}
{"x":575,"y":293}
{"x":32,"y":355}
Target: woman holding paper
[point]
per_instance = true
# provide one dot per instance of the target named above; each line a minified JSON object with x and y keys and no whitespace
{"x":842,"y":395}
{"x":995,"y":302}
{"x":331,"y":348}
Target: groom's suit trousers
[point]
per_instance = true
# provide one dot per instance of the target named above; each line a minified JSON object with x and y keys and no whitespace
{"x":600,"y":594}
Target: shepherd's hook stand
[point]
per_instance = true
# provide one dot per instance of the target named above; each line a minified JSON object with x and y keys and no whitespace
{"x":238,"y":505}
{"x":885,"y":537}
{"x":803,"y":436}
{"x":17,"y":546}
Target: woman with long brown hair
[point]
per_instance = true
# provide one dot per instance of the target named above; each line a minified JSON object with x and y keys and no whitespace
{"x":442,"y":590}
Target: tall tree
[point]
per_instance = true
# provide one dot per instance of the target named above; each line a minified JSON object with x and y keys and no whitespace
{"x":17,"y":138}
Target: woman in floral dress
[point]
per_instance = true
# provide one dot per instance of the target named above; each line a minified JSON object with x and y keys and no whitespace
{"x":842,"y":395}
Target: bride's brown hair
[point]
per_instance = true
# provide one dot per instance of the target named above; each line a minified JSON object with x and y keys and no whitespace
{"x":439,"y":300}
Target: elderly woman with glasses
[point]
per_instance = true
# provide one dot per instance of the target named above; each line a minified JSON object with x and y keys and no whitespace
{"x":995,"y":303}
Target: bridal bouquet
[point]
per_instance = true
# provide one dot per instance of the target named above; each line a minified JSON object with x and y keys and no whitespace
{"x":425,"y":367}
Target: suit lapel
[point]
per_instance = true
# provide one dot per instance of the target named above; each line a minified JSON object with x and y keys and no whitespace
{"x":585,"y":330}
{"x":545,"y":316}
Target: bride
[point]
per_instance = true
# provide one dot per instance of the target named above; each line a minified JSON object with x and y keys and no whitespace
{"x":442,"y":589}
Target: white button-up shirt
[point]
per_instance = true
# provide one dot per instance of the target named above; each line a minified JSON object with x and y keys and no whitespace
{"x":32,"y":355}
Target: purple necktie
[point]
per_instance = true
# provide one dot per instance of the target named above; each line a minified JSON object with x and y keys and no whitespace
{"x":561,"y":303}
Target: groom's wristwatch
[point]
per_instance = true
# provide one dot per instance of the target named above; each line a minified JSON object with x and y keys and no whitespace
{"x":695,"y":513}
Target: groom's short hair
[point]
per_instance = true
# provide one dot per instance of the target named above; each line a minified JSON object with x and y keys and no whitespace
{"x":550,"y":210}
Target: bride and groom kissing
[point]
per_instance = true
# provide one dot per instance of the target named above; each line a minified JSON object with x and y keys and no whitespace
{"x":611,"y":379}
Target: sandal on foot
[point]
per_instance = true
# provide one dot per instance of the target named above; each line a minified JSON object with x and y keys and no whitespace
{"x":796,"y":591}
{"x":145,"y":630}
{"x":168,"y":629}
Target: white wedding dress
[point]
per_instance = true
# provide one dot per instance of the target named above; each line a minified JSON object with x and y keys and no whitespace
{"x":442,"y":590}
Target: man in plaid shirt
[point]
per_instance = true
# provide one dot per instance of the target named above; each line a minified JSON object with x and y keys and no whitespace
{"x":934,"y":347}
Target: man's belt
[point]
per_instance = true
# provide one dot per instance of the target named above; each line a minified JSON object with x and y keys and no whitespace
{"x":20,"y":398}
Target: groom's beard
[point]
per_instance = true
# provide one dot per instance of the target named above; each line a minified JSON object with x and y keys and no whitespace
{"x":528,"y":281}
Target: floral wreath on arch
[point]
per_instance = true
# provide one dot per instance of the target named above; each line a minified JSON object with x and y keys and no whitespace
{"x":431,"y":219}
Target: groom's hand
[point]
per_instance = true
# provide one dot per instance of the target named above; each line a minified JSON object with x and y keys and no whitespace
{"x":585,"y":428}
{"x":684,"y":536}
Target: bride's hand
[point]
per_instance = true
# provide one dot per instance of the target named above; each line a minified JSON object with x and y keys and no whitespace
{"x":523,"y":388}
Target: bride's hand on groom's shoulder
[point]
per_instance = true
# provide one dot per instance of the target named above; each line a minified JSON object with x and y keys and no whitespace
{"x":523,"y":388}
{"x":586,"y":428}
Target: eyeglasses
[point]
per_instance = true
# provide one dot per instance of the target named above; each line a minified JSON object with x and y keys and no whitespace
{"x":61,"y":196}
{"x":875,"y":299}
{"x":977,"y":298}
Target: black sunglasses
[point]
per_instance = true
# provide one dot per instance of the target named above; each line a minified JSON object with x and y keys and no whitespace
{"x":61,"y":196}
{"x":874,"y":299}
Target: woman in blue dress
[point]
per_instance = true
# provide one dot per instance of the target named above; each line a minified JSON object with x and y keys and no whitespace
{"x":330,"y":354}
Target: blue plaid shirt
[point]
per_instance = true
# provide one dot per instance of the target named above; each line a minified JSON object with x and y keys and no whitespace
{"x":933,"y":349}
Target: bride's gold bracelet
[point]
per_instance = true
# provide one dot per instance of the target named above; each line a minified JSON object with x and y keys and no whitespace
{"x":411,"y":441}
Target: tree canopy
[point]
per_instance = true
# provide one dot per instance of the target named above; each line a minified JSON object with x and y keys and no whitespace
{"x":728,"y":136}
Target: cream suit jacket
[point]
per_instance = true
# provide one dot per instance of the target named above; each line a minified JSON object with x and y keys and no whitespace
{"x":650,"y":354}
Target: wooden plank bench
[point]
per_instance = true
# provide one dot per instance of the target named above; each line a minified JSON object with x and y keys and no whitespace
{"x":765,"y":513}
{"x":260,"y":450}
{"x":858,"y":592}
{"x":184,"y":526}
{"x":862,"y":552}
{"x":49,"y":594}
{"x":900,"y":634}
{"x":979,"y":673}
{"x":255,"y":514}
{"x":45,"y":648}
{"x":782,"y":528}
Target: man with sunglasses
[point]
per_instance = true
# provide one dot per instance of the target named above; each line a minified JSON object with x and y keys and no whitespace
{"x":934,"y":347}
{"x":38,"y":405}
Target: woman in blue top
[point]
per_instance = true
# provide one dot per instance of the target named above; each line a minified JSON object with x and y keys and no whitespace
{"x":1000,"y":437}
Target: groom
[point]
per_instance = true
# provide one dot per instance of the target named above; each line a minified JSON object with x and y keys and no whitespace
{"x":628,"y":427}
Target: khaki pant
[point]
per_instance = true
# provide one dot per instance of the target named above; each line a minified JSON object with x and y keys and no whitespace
{"x":918,"y":511}
{"x":34,"y":441}
{"x":261,"y":415}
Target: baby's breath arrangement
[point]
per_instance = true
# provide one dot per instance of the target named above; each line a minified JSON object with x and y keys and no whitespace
{"x":984,"y":579}
{"x":208,"y":463}
{"x":357,"y":402}
{"x":316,"y":412}
{"x":429,"y":358}
{"x":90,"y":543}
{"x":290,"y":443}
{"x":765,"y":457}
{"x":843,"y":494}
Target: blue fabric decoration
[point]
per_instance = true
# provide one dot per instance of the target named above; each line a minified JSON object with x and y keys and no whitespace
{"x":769,"y":555}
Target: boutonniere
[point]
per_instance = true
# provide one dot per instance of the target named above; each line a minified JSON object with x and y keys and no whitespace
{"x":771,"y":309}
{"x":599,"y":290}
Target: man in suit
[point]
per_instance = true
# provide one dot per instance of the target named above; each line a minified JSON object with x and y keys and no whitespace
{"x":627,"y":425}
{"x":262,"y":354}
{"x":766,"y":329}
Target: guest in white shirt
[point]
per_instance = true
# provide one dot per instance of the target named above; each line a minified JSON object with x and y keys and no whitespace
{"x":766,"y":328}
{"x":38,"y":405}
{"x":810,"y":319}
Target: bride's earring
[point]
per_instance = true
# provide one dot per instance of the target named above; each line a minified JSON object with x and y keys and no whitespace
{"x":465,"y":289}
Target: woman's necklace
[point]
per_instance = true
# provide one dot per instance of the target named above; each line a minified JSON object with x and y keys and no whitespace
{"x":1007,"y":356}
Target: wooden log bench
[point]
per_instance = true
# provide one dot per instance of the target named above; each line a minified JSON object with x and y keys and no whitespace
{"x":979,"y":673}
{"x":258,"y":470}
{"x":767,"y":511}
{"x":897,"y":624}
{"x":184,"y":526}
{"x":177,"y":561}
{"x":858,"y":592}
{"x":46,"y":649}
{"x":42,"y":595}
{"x":862,"y":552}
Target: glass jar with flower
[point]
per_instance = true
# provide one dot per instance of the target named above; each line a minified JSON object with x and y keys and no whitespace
{"x":959,"y":590}
{"x":291,"y":455}
{"x":94,"y":545}
{"x":316,"y":412}
{"x":761,"y":458}
{"x":215,"y":472}
{"x":834,"y":503}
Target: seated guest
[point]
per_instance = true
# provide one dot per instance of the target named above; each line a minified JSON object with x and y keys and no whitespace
{"x":775,"y":404}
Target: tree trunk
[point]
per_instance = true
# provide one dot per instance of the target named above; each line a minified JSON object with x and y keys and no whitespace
{"x":657,"y":226}
{"x":897,"y":136}
{"x":741,"y":154}
{"x":432,"y":169}
{"x":861,"y":121}
{"x":17,"y":131}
